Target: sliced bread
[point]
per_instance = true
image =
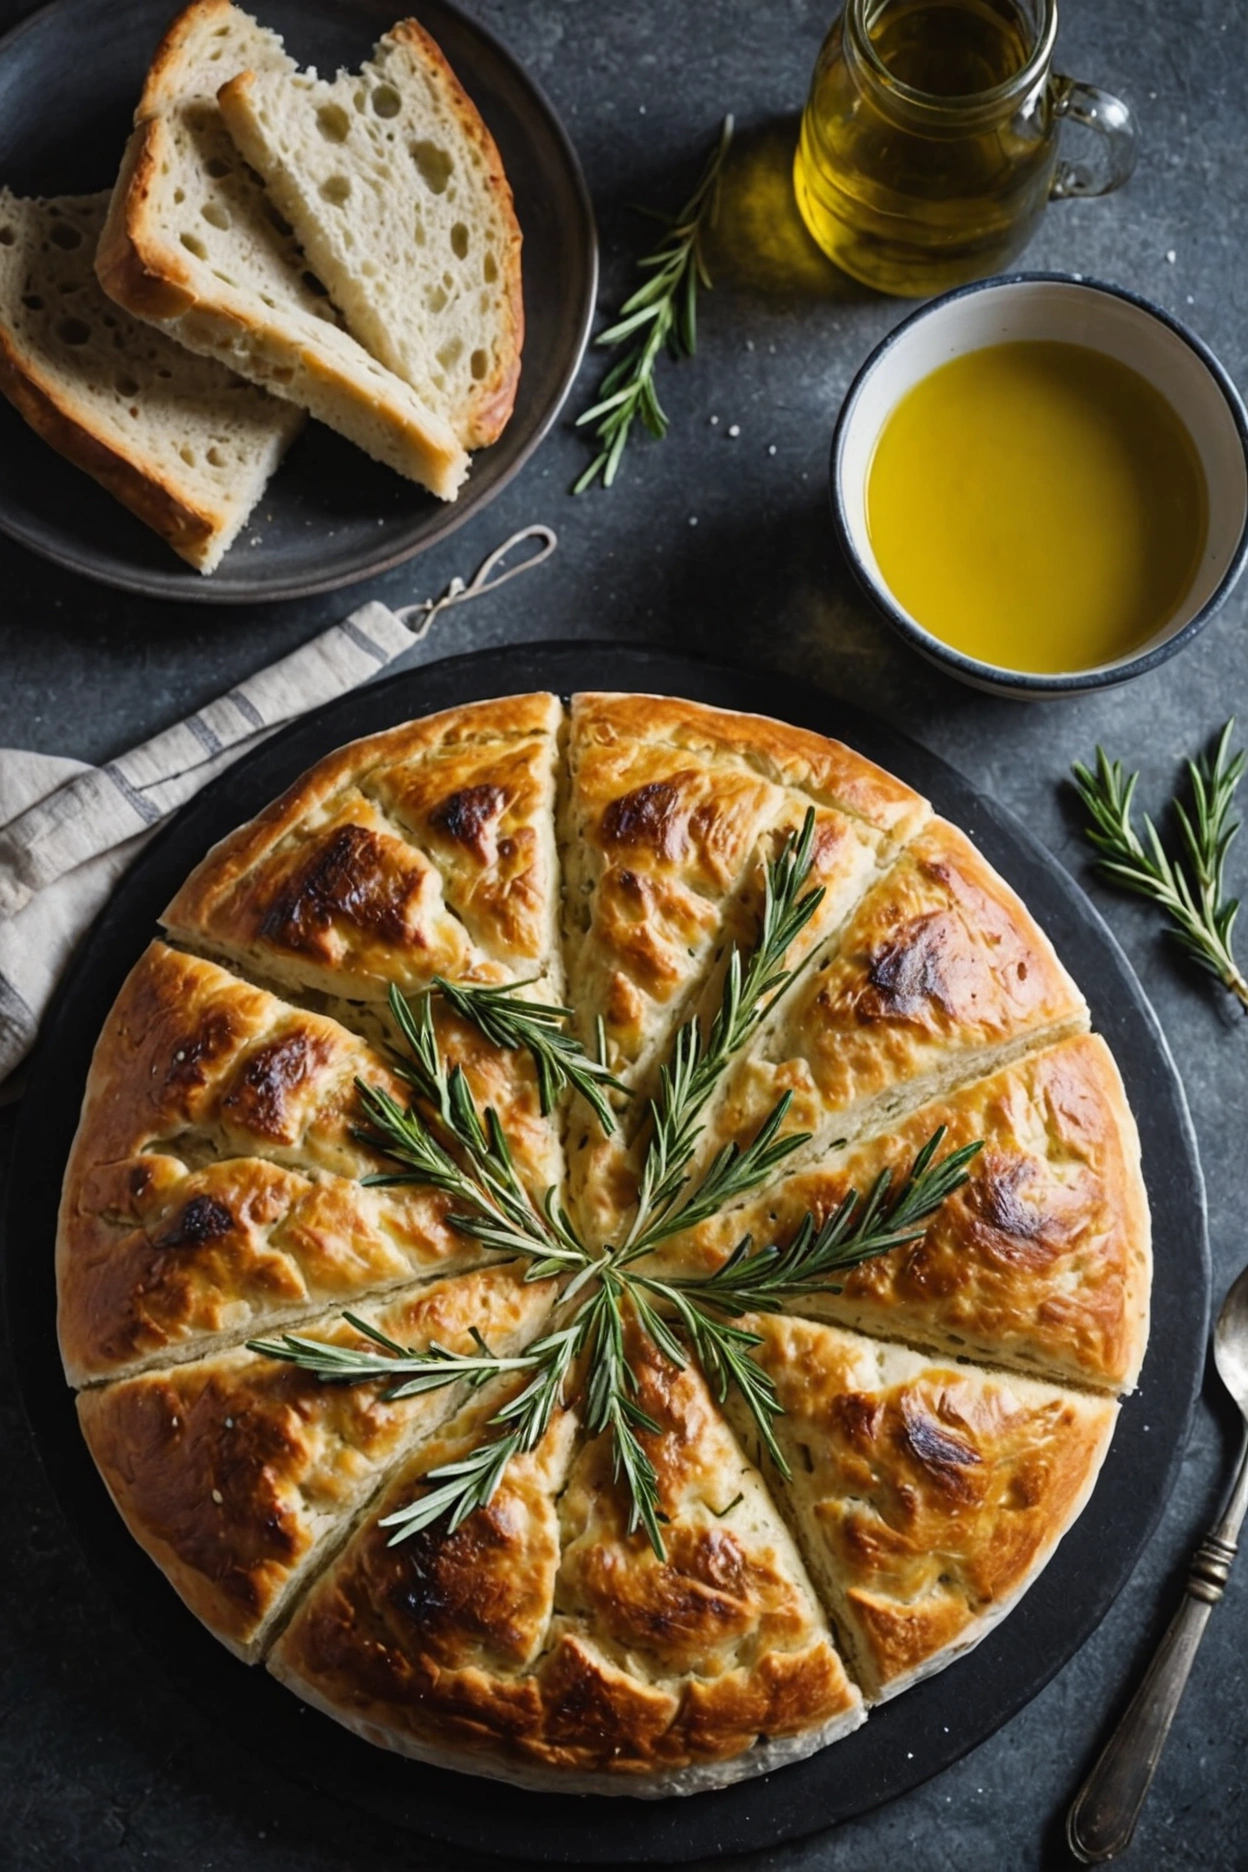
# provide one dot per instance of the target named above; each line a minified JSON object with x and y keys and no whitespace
{"x":180,"y":440}
{"x":193,"y":245}
{"x":396,"y":189}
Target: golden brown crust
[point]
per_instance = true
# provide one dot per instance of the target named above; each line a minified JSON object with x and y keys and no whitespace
{"x":135,"y":270}
{"x":424,"y":850}
{"x":543,"y":1634}
{"x":164,"y":86}
{"x":1041,"y":1262}
{"x":830,"y":772}
{"x":494,"y":399}
{"x":926,"y":1497}
{"x":236,"y":1473}
{"x":542,"y":1641}
{"x":213,"y":1184}
{"x":939,"y":971}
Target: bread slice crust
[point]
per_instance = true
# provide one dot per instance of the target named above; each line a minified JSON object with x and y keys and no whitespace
{"x":255,"y":312}
{"x":479,"y":414}
{"x":47,"y":385}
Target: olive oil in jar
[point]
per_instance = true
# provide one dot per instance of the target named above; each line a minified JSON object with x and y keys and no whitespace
{"x":950,"y":48}
{"x":928,"y":144}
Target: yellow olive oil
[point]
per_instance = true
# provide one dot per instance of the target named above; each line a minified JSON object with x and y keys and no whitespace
{"x":1037,"y":505}
{"x":913,"y":198}
{"x":950,"y":48}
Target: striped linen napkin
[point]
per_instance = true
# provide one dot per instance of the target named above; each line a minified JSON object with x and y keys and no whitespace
{"x":68,"y":831}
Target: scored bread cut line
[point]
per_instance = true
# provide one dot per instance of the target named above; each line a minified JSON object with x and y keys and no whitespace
{"x":364,"y":1020}
{"x":702,"y":992}
{"x":972,"y":1358}
{"x":1019,"y":1048}
{"x":294,"y":1319}
{"x":437,"y":1408}
{"x":983,"y":1623}
{"x":889,"y":848}
{"x":879,"y":1118}
{"x":421,"y":1431}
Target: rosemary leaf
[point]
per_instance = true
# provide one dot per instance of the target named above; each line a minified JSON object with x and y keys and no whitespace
{"x":494,"y":1207}
{"x":660,"y":315}
{"x":1190,"y":888}
{"x":611,"y":1406}
{"x":458,"y":1489}
{"x":764,"y":1280}
{"x":427,"y":1371}
{"x":512,"y":1023}
{"x":688,"y":1080}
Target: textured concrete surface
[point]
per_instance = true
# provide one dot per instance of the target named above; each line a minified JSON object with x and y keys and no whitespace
{"x":101,"y":1766}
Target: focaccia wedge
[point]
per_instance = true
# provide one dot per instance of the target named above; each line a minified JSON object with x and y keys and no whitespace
{"x":1041,"y":1262}
{"x":926,"y":1496}
{"x":426,"y":850}
{"x":214,"y":1185}
{"x":939,"y":976}
{"x":239,"y":1475}
{"x":554,"y":1644}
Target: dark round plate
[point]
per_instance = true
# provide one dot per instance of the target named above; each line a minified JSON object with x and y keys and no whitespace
{"x":903,"y":1742}
{"x":69,"y":79}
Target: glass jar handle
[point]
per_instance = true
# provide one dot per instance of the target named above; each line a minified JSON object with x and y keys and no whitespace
{"x":1109,"y":117}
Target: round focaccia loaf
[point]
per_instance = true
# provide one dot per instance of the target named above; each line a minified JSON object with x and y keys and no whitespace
{"x":945,"y":1409}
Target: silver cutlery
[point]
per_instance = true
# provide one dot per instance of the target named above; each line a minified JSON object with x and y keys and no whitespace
{"x":1103,"y":1814}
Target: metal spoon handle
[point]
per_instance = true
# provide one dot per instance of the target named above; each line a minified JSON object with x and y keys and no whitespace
{"x":1103,"y":1814}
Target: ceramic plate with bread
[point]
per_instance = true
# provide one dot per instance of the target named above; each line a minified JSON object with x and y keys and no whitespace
{"x":946,"y":1412}
{"x":282,"y":249}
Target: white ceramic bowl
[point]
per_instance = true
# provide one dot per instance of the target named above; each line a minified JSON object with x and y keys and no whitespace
{"x":1066,"y":308}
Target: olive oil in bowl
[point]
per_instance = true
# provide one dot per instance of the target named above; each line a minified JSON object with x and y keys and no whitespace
{"x":1038,"y":506}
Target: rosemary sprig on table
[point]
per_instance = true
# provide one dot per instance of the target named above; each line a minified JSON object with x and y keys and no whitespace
{"x":1189,"y":888}
{"x":661,"y":314}
{"x":442,"y":1141}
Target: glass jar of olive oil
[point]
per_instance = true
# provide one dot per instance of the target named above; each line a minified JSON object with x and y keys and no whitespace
{"x":928,"y":148}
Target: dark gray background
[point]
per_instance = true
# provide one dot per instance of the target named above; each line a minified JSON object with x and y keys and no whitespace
{"x":101,"y":1766}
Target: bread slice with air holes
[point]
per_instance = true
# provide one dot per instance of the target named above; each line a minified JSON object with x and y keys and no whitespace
{"x":396,"y":189}
{"x":181,"y":441}
{"x":193,"y":245}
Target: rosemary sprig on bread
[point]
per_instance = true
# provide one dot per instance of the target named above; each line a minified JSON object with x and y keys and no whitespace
{"x":540,"y":1030}
{"x":1191,"y":887}
{"x":612,"y":1291}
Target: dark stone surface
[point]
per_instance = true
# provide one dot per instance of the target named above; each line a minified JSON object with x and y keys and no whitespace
{"x":101,"y":1766}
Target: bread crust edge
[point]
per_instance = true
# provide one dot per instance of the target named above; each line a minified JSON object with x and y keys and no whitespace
{"x":698,"y":1778}
{"x":191,"y":531}
{"x":494,"y":400}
